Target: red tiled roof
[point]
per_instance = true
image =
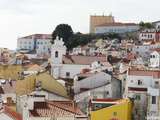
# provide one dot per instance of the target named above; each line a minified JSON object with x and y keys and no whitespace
{"x":13,"y":114}
{"x":55,"y":108}
{"x":154,"y":73}
{"x":105,"y":100}
{"x":131,"y":56}
{"x":38,"y":36}
{"x":156,"y":49}
{"x":83,"y":60}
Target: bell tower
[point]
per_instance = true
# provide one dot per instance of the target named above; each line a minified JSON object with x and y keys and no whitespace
{"x":57,"y":51}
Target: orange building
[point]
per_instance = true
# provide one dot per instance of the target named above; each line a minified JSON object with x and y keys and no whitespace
{"x":99,"y":20}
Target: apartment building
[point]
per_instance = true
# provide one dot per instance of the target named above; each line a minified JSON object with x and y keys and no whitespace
{"x":36,"y":42}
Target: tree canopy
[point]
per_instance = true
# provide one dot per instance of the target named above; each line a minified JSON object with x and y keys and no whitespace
{"x":72,"y":40}
{"x":63,"y":31}
{"x":145,"y":25}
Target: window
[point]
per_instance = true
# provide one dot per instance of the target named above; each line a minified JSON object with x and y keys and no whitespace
{"x":153,"y":56}
{"x":157,"y":82}
{"x":67,"y":74}
{"x":56,"y":54}
{"x":139,"y":82}
{"x":153,"y":99}
{"x":115,"y":114}
{"x":138,"y":97}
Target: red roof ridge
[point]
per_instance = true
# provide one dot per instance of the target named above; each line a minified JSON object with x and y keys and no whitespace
{"x":72,"y":110}
{"x":12,"y":113}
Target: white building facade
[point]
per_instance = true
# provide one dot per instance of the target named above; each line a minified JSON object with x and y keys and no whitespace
{"x":145,"y":49}
{"x":155,"y":59}
{"x":116,"y":28}
{"x":41,"y":43}
{"x":148,"y":34}
{"x":67,"y":66}
{"x":138,"y":86}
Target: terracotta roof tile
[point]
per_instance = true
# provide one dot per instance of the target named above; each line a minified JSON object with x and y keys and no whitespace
{"x":55,"y":108}
{"x":38,"y":36}
{"x":154,"y":73}
{"x":83,"y":60}
{"x":13,"y":114}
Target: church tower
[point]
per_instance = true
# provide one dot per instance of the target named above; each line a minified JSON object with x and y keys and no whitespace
{"x":57,"y":51}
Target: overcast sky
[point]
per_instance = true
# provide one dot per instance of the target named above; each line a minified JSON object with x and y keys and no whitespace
{"x":23,"y":17}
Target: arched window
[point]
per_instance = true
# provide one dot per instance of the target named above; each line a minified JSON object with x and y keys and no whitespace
{"x":56,"y":54}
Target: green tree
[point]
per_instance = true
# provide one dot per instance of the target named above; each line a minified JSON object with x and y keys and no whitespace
{"x":63,"y":31}
{"x":145,"y":25}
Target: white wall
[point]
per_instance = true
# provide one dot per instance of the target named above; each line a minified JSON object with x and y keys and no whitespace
{"x":155,"y":60}
{"x":94,"y":81}
{"x":153,"y":109}
{"x":115,"y":29}
{"x":99,"y":92}
{"x":25,"y":44}
{"x":132,"y":81}
{"x":147,"y":36}
{"x":6,"y":95}
{"x":144,"y":50}
{"x":43,"y":46}
{"x":73,"y":69}
{"x":50,"y":96}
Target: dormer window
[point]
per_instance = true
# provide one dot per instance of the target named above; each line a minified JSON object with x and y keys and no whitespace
{"x":56,"y":54}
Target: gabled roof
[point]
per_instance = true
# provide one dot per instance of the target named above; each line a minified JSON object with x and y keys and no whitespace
{"x":38,"y":36}
{"x":48,"y":83}
{"x":11,"y":114}
{"x":156,"y":49}
{"x":35,"y":67}
{"x":55,"y":108}
{"x":82,"y":60}
{"x":51,"y":85}
{"x":152,"y":73}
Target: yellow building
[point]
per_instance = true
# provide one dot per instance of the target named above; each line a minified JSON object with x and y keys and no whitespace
{"x":99,"y":20}
{"x":108,"y":109}
{"x":10,"y":71}
{"x":48,"y":83}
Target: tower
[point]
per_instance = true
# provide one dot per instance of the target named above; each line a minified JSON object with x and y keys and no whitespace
{"x":57,"y":51}
{"x":96,"y":20}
